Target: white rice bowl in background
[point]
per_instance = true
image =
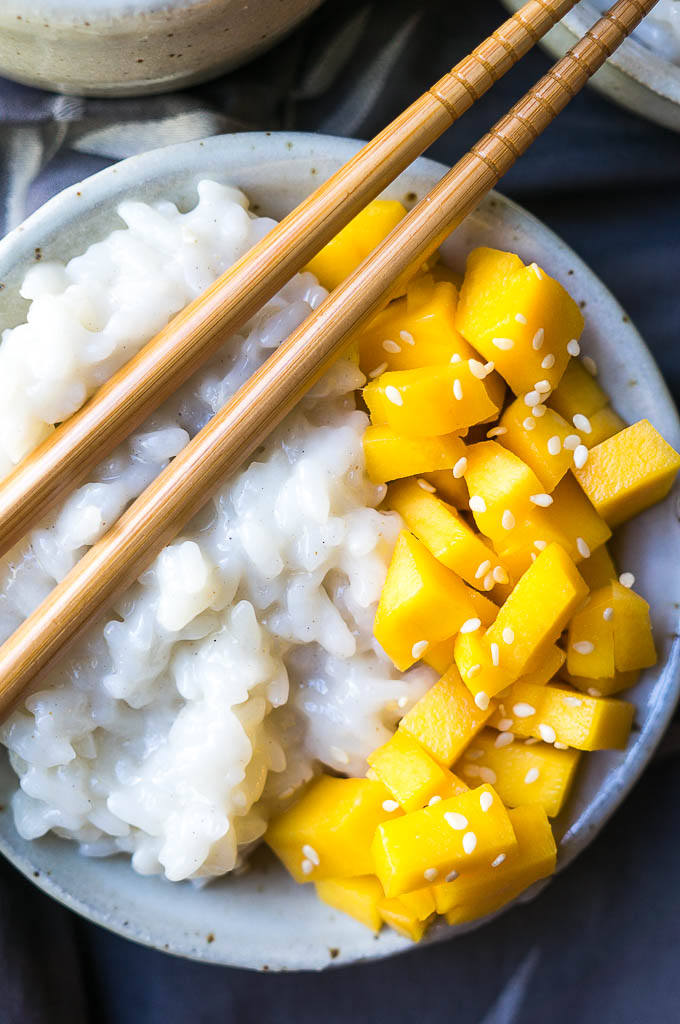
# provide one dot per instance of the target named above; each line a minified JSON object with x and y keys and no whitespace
{"x":244,"y":656}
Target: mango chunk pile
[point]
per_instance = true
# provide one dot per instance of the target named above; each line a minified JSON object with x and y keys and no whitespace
{"x":509,"y":470}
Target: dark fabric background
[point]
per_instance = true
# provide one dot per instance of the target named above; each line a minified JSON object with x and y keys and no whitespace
{"x":600,"y":945}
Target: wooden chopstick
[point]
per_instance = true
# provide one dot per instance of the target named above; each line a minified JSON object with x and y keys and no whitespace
{"x":113,"y":563}
{"x":159,"y":369}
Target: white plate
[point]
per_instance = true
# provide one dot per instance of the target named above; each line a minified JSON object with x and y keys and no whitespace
{"x":262,"y":919}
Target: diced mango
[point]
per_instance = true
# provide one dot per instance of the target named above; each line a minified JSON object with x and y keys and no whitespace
{"x":520,"y":774}
{"x":449,"y":487}
{"x":577,"y":393}
{"x":544,"y":666}
{"x":407,"y":770}
{"x":532,"y":858}
{"x":422,"y":603}
{"x":431,"y":400}
{"x":456,"y":834}
{"x":586,"y":723}
{"x":445,"y":718}
{"x":402,"y":919}
{"x":501,"y":487}
{"x":475,"y":661}
{"x":604,"y":687}
{"x":629,"y":472}
{"x":590,"y":649}
{"x":453,"y":786}
{"x":518,"y":317}
{"x":541,"y":446}
{"x":328,"y":832}
{"x":358,"y":897}
{"x":633,"y":641}
{"x":603,"y":424}
{"x":390,"y":456}
{"x":476,"y":911}
{"x":420,"y":902}
{"x":350,"y":247}
{"x":444,"y":532}
{"x":599,"y":569}
{"x":440,"y":656}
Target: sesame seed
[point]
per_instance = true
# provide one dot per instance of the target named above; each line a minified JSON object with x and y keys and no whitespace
{"x":543,"y":387}
{"x":573,"y":702}
{"x":497,"y":861}
{"x":582,"y":423}
{"x":456,"y":821}
{"x":307,"y":866}
{"x":310,"y":853}
{"x":473,"y":754}
{"x":460,"y":468}
{"x":434,"y":800}
{"x":554,"y":445}
{"x":505,"y":344}
{"x":534,"y":556}
{"x":477,"y":504}
{"x":496,"y":432}
{"x":583,"y":647}
{"x":489,"y":581}
{"x":504,"y":739}
{"x":489,"y":366}
{"x":523,"y":710}
{"x":608,"y":614}
{"x":430,"y":874}
{"x":419,"y":648}
{"x":485,"y":801}
{"x":470,"y":625}
{"x":477,"y":369}
{"x":538,"y":339}
{"x":507,"y":520}
{"x":426,"y":485}
{"x":580,"y":456}
{"x":482,"y":568}
{"x":626,"y":579}
{"x":537,"y":271}
{"x":543,"y":500}
{"x":538,"y":411}
{"x":531,"y":776}
{"x":393,"y":396}
{"x":594,"y":692}
{"x":548,"y":362}
{"x":571,"y":442}
{"x":471,"y":770}
{"x":378,"y":370}
{"x":455,"y":358}
{"x":505,"y":724}
{"x":452,"y":876}
{"x":391,"y":346}
{"x":402,"y":702}
{"x":508,"y":635}
{"x":457,"y":390}
{"x":590,"y":365}
{"x":560,"y":746}
{"x":500,"y":575}
{"x":529,"y":742}
{"x":529,"y":423}
{"x":481,"y":699}
{"x":495,"y":655}
{"x":532,"y":398}
{"x":547,"y":733}
{"x":583,"y":549}
{"x":407,"y":337}
{"x":573,"y":347}
{"x":487,"y":775}
{"x":340,"y":755}
{"x":540,"y":545}
{"x":520,"y":318}
{"x":469,"y":842}
{"x":473,"y":671}
{"x":389,"y":805}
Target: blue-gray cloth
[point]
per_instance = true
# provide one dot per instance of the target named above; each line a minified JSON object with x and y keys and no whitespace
{"x":600,"y":945}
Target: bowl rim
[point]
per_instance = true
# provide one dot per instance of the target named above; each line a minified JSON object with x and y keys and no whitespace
{"x":103,"y":189}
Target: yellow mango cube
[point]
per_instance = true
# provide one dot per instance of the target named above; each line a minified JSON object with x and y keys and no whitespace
{"x":603,"y":687}
{"x":445,"y":533}
{"x":501,"y":489}
{"x":431,"y":400}
{"x":590,"y":647}
{"x":518,"y":317}
{"x":483,"y":676}
{"x":449,"y":487}
{"x":420,"y":902}
{"x":358,"y":897}
{"x":538,"y":441}
{"x":578,"y":393}
{"x":520,"y":774}
{"x":629,"y":472}
{"x":533,"y":858}
{"x":440,"y":656}
{"x":603,"y":424}
{"x":407,"y":770}
{"x":558,"y":714}
{"x":395,"y":913}
{"x":445,"y":718}
{"x":328,"y":832}
{"x":458,"y":834}
{"x":422,"y":603}
{"x":633,"y":641}
{"x":599,"y":568}
{"x":389,"y":455}
{"x":350,"y":247}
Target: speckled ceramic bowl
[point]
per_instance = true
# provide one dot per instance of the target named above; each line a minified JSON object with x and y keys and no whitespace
{"x":261,"y":919}
{"x":132,"y":47}
{"x":634,"y":76}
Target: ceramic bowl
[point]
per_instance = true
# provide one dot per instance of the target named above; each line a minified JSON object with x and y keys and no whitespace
{"x":134,"y":47}
{"x":261,"y":919}
{"x":634,"y":76}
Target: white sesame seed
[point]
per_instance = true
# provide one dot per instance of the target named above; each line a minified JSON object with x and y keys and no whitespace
{"x":482,"y":568}
{"x":469,"y":842}
{"x":543,"y":387}
{"x":470,"y":625}
{"x":583,"y":647}
{"x":540,"y":545}
{"x":571,"y":442}
{"x":529,"y":742}
{"x":583,"y":549}
{"x":489,"y":581}
{"x":537,"y":271}
{"x":307,"y":866}
{"x":508,"y":635}
{"x":590,"y":365}
{"x":547,"y":733}
{"x":548,"y":362}
{"x":455,"y":358}
{"x":529,"y":423}
{"x":594,"y":692}
{"x":393,"y":396}
{"x":495,"y":655}
{"x":473,"y":671}
{"x":339,"y":755}
{"x":573,"y":702}
{"x":626,"y":579}
{"x":538,"y":339}
{"x":426,"y":485}
{"x":389,"y":805}
{"x":487,"y":775}
{"x":554,"y":445}
{"x":580,"y":456}
{"x":434,"y":800}
{"x":430,"y":874}
{"x":520,"y":318}
{"x":391,"y":346}
{"x":477,"y":369}
{"x":505,"y":724}
{"x":473,"y":754}
{"x":407,"y":337}
{"x":419,"y":648}
{"x":309,"y":852}
{"x":507,"y":520}
{"x":504,"y":739}
{"x":531,"y":776}
{"x":457,"y":390}
{"x":608,"y":614}
{"x":573,"y":347}
{"x":477,"y":504}
{"x":505,"y":344}
{"x":452,"y":876}
{"x":471,"y":770}
{"x":500,"y":575}
{"x":543,"y":500}
{"x":496,"y":432}
{"x":460,"y":468}
{"x":481,"y":699}
{"x":560,"y":746}
{"x":497,"y":861}
{"x":402,"y":702}
{"x":534,"y":556}
{"x":582,"y":423}
{"x":523,"y":710}
{"x":378,"y":370}
{"x":538,"y":411}
{"x":456,"y":821}
{"x":532,"y":398}
{"x":489,"y":367}
{"x":485,"y":801}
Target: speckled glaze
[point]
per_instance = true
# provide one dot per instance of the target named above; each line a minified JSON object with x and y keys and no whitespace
{"x":634,"y":76}
{"x":136,"y":47}
{"x":261,"y":919}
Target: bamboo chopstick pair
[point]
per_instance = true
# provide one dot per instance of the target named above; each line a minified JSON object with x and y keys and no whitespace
{"x":172,"y":356}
